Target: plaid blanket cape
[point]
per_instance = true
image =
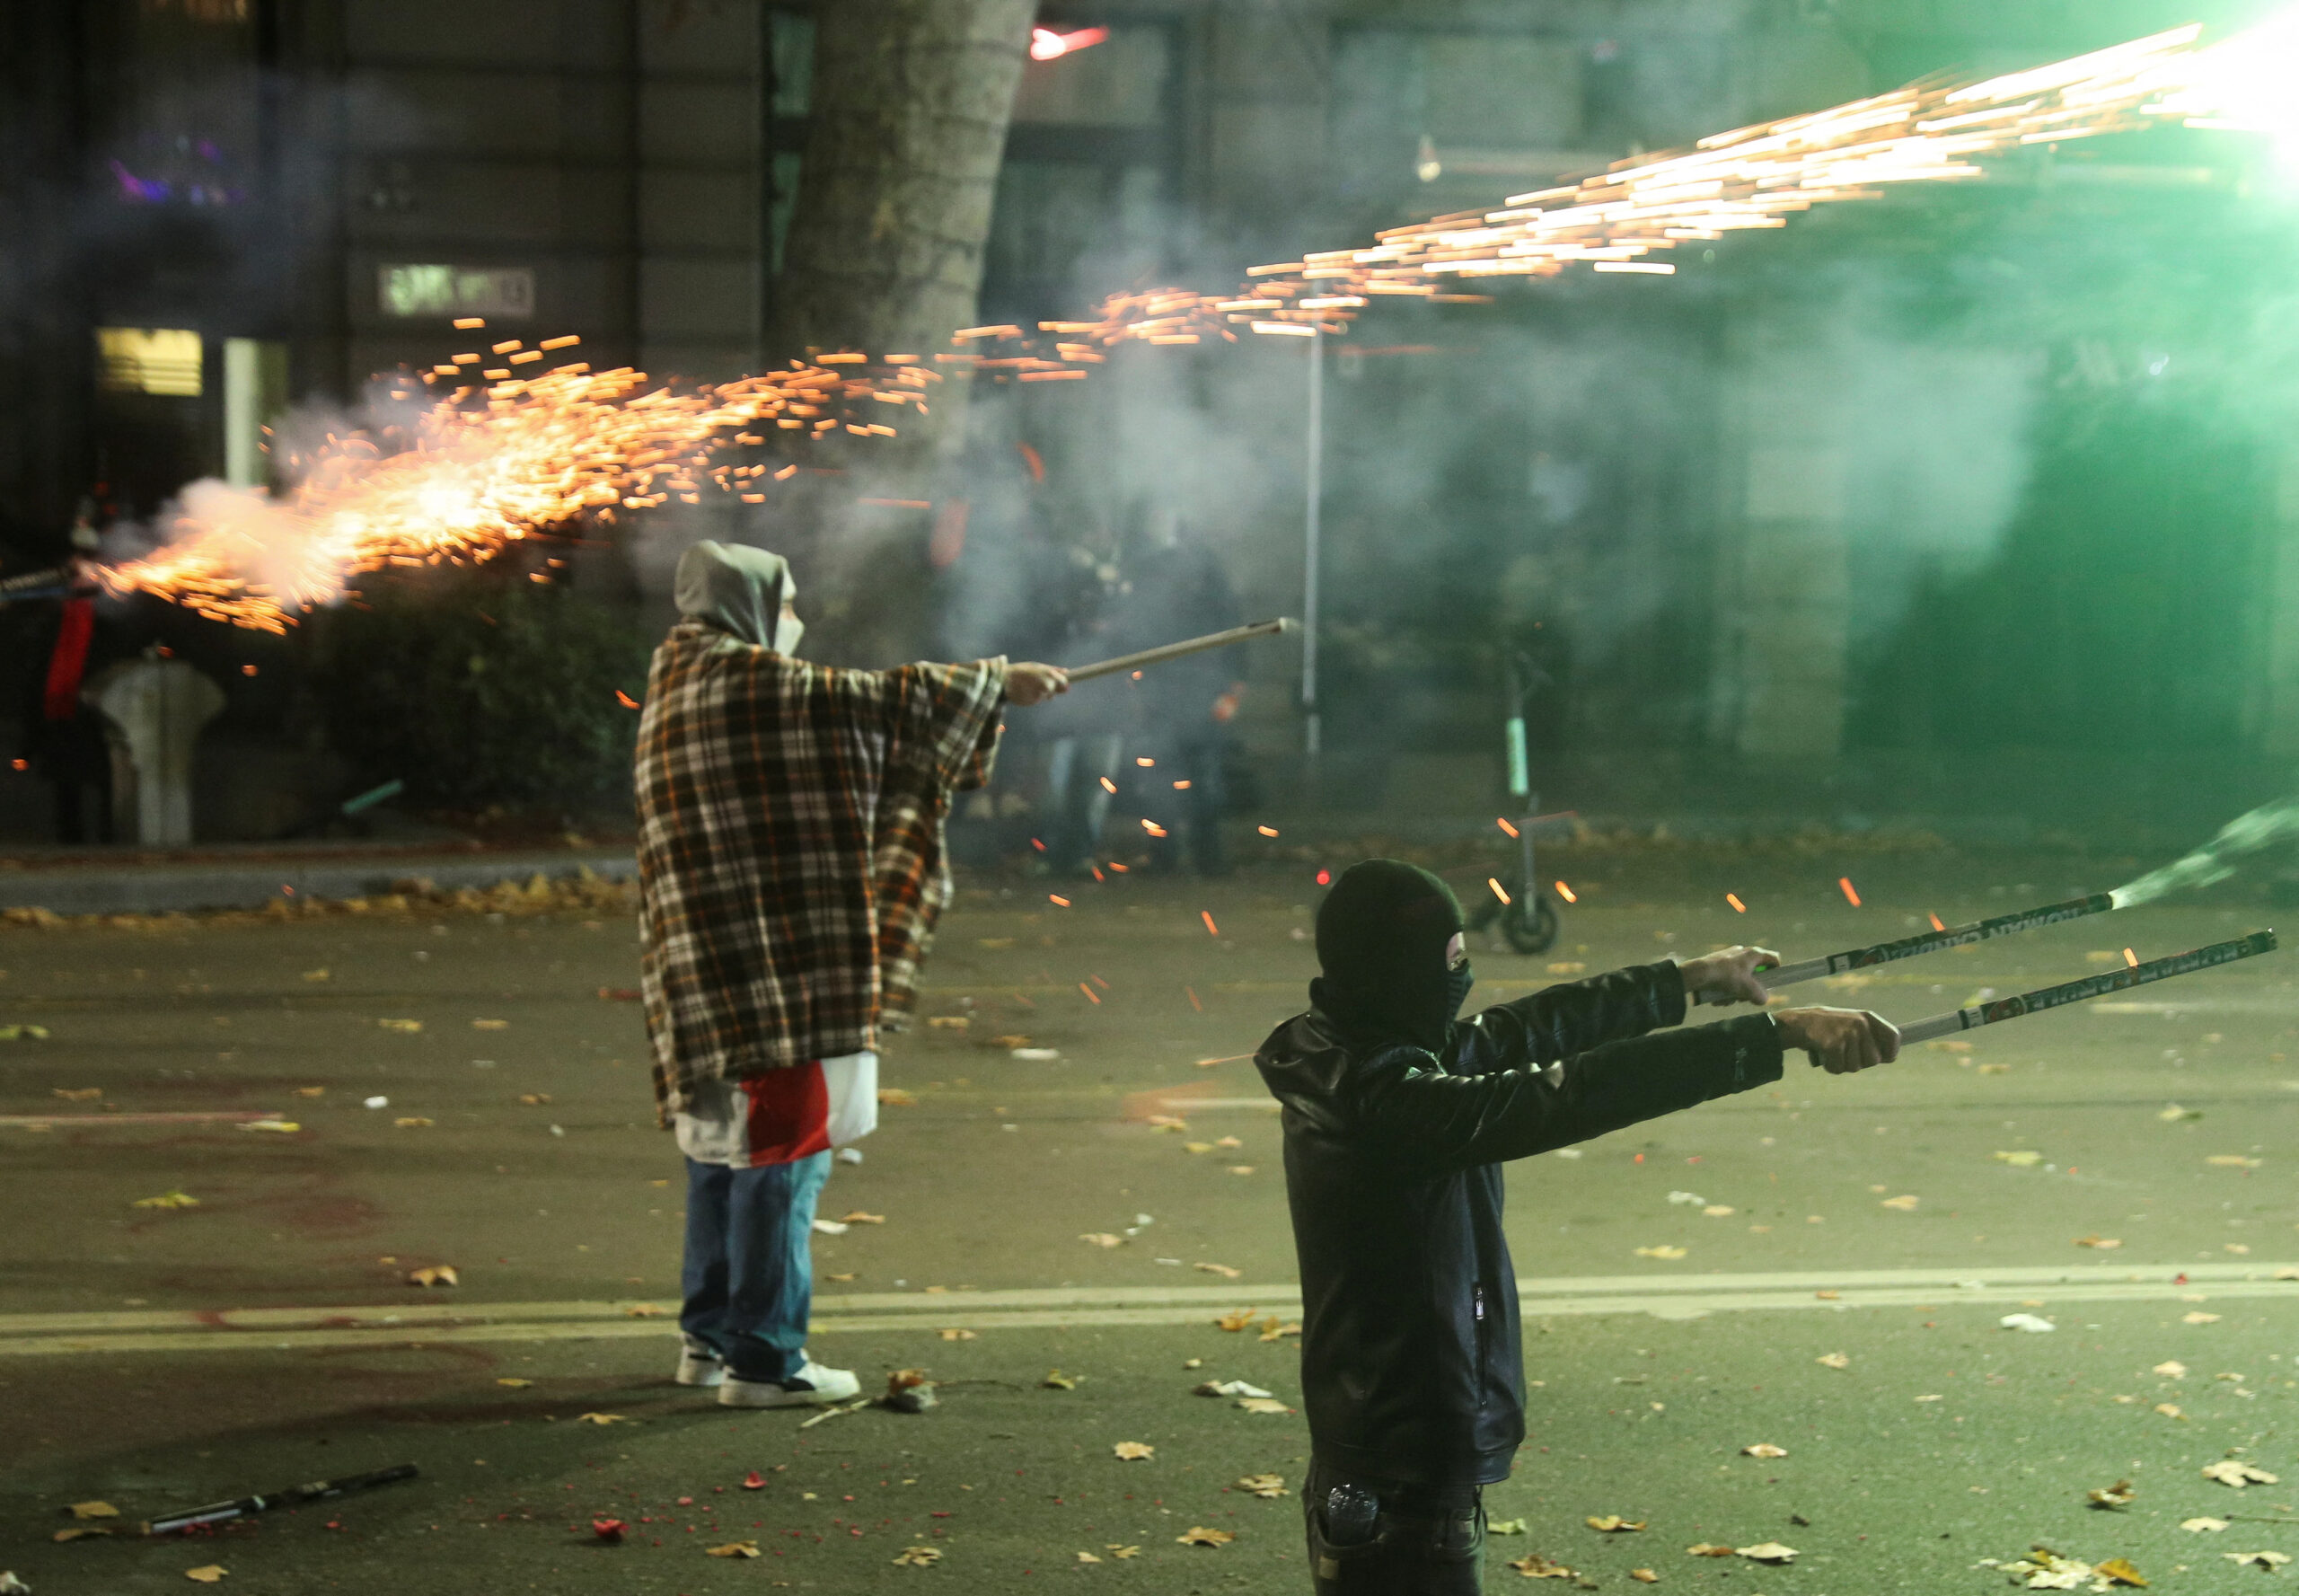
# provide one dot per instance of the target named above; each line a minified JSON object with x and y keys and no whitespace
{"x":790,"y":848}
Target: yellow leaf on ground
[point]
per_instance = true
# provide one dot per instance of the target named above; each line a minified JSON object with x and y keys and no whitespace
{"x":2171,"y":1369}
{"x":1056,"y":1381}
{"x":94,"y":1510}
{"x":2170,"y":1410}
{"x":1223,"y":1270}
{"x":433,"y":1274}
{"x":1134,"y":1451}
{"x":2105,"y":1243}
{"x":859,"y":1218}
{"x":2198,"y":1318}
{"x":918,"y":1556}
{"x":514,"y":1382}
{"x":733,"y":1548}
{"x":1101,"y":1239}
{"x":2205,"y":1526}
{"x":1263,"y":1404}
{"x":1533,"y":1566}
{"x":1717,"y":1210}
{"x":207,"y":1574}
{"x":320,"y":974}
{"x":283,"y":1127}
{"x":1199,"y":1535}
{"x":1834,"y":1360}
{"x":167,"y":1200}
{"x":1612,"y":1523}
{"x":1197,"y":1146}
{"x":409,"y":1026}
{"x":2230,"y":1471}
{"x":1704,"y":1549}
{"x":490,"y":1024}
{"x":82,"y":1094}
{"x":534,"y":1099}
{"x":893,"y":1097}
{"x":1273,"y":1331}
{"x":1270,"y":1487}
{"x":955,"y":1335}
{"x":1167,"y":1122}
{"x":79,"y":1532}
{"x":645,"y":1310}
{"x":310,"y":1091}
{"x":1241,"y":1168}
{"x":2022,"y":1159}
{"x":1644,"y":1576}
{"x":1088,"y":1558}
{"x":947,"y":1022}
{"x":2118,"y":1495}
{"x":1763,"y":1448}
{"x":1661,"y":1252}
{"x":2233,"y":1161}
{"x":413,"y":1122}
{"x":601,"y":1418}
{"x":1238,"y":1319}
{"x":1905,"y":1203}
{"x":2116,"y":1571}
{"x":1767,"y":1551}
{"x":1121,"y":1552}
{"x":841,"y":1278}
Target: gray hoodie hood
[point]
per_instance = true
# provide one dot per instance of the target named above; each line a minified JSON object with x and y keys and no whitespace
{"x":740,"y":591}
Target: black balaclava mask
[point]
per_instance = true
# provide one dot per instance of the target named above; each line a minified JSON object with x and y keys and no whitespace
{"x":1382,"y":936}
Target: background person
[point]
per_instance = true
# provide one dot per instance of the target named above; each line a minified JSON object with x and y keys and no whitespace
{"x":791,"y":869}
{"x":1396,"y":1119}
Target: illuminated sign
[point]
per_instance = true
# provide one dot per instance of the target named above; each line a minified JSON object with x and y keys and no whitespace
{"x":149,"y":360}
{"x":455,"y":291}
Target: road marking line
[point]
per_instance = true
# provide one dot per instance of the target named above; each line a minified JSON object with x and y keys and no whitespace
{"x":1036,"y":1308}
{"x":193,"y":1117}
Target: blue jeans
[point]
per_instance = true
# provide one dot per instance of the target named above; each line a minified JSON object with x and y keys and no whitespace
{"x":749,"y":1276}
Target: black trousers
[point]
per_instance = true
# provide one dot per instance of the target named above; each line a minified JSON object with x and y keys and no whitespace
{"x":1425,"y":1540}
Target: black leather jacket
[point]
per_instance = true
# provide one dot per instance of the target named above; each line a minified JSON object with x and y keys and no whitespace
{"x":1411,"y":1365}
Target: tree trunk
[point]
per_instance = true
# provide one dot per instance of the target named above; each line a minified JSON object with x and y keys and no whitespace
{"x":910,"y":101}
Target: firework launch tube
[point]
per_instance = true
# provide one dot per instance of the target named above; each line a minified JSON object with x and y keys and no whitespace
{"x":1959,"y":936}
{"x":1212,"y":640}
{"x":2091,"y":986}
{"x":319,"y":1490}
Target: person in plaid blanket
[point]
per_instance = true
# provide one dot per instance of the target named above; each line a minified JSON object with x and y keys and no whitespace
{"x":790,"y":870}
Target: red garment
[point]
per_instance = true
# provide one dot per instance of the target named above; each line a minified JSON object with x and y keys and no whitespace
{"x":68,"y":662}
{"x":789,"y":1114}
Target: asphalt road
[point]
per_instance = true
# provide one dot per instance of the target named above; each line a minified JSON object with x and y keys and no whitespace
{"x":154,"y":1357}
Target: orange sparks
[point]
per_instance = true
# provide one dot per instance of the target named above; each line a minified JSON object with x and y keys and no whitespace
{"x":1057,"y":900}
{"x":1144,"y":761}
{"x":2130,"y":958}
{"x":1107,"y":785}
{"x":625,"y":700}
{"x":1098,"y":871}
{"x":1206,"y":915}
{"x":1565,"y":893}
{"x":1036,"y":843}
{"x":1120,"y":868}
{"x":1181,"y":787}
{"x":1098,"y":981}
{"x":1091,"y":996}
{"x":1851,"y":896}
{"x":1153,"y":828}
{"x":465,"y":324}
{"x":1266,"y":831}
{"x":1505,"y":826}
{"x":1192,"y":999}
{"x":1499,"y":891}
{"x":1936,"y":926}
{"x":1734,"y":899}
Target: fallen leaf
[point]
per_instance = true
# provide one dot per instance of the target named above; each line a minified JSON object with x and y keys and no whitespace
{"x":1717,"y":1210}
{"x":1764,"y":1449}
{"x":1101,"y":1239}
{"x":1121,"y":1552}
{"x":1276,"y":1332}
{"x":1088,"y":1558}
{"x":2022,"y":1159}
{"x":1167,"y":1122}
{"x":2198,"y":1318}
{"x":1533,"y":1566}
{"x":1228,"y":1142}
{"x":1227,"y":1388}
{"x":167,"y":1200}
{"x":1660,"y":1252}
{"x":958,"y":1334}
{"x":490,"y":1024}
{"x":841,"y":1279}
{"x":207,"y":1574}
{"x":859,"y":1218}
{"x":534,"y":1099}
{"x":1504,"y":1527}
{"x":2269,"y":1561}
{"x":433,"y":1274}
{"x":754,"y":1481}
{"x":1199,"y":1535}
{"x":1223,"y":1270}
{"x":2231,"y":1471}
{"x":2028,"y":1322}
{"x":1566,"y":966}
{"x":282,"y":1126}
{"x":601,"y":1418}
{"x":1829,"y":1296}
{"x":1270,"y":1487}
{"x":1767,"y":1551}
{"x":1238,"y":1319}
{"x":1612,"y":1523}
{"x":2171,"y":1113}
{"x":2170,"y":1410}
{"x":2118,"y":1495}
{"x":1904,"y":1203}
{"x":408,"y":1025}
{"x":893,"y":1097}
{"x":82,"y":1094}
{"x":1056,"y":1381}
{"x":1995,"y":1068}
{"x":733,"y":1548}
{"x":320,"y":974}
{"x":1197,"y":1146}
{"x":1241,"y":1168}
{"x":310,"y":1091}
{"x":609,"y":1530}
{"x":1644,"y":1576}
{"x":949,"y":1022}
{"x":2116,"y":1571}
{"x":2172,"y":1368}
{"x":514,"y":1382}
{"x":1703,"y":1549}
{"x":1134,"y":1451}
{"x":1263,"y":1404}
{"x":411,"y":1122}
{"x":645,"y":1310}
{"x":2233,"y":1161}
{"x":1834,"y":1360}
{"x":2105,"y":1243}
{"x":94,"y":1510}
{"x":82,"y":1532}
{"x":2204,"y":1526}
{"x":918,"y":1556}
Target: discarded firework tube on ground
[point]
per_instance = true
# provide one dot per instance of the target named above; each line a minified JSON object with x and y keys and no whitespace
{"x":1957,"y":936}
{"x":1212,"y":640}
{"x":319,"y":1490}
{"x":2091,"y":986}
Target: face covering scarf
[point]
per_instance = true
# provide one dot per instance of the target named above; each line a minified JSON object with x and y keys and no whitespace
{"x":1385,"y":940}
{"x":740,"y":591}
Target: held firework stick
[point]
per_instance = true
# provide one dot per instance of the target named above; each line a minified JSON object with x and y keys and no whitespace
{"x":1214,"y":639}
{"x":319,"y":1490}
{"x":1959,"y":936}
{"x":2091,"y":986}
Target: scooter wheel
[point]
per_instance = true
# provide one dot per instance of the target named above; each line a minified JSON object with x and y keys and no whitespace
{"x":1536,"y":934}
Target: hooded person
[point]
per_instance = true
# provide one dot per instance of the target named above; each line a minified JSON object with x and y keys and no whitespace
{"x":791,"y":871}
{"x":1397,"y":1117}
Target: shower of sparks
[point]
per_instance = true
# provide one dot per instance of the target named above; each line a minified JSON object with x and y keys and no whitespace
{"x":508,"y":452}
{"x":1851,"y":893}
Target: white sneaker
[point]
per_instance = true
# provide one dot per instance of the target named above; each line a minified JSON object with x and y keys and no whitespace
{"x":812,"y":1387}
{"x":700,"y":1368}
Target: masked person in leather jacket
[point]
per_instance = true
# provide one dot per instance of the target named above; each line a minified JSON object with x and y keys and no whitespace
{"x":1397,"y":1118}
